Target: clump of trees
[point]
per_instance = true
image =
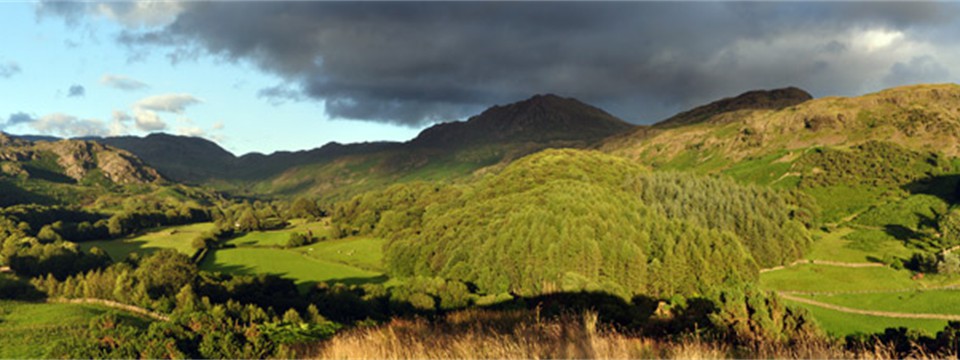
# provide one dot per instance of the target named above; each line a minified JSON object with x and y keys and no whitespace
{"x":570,"y":220}
{"x":300,"y":239}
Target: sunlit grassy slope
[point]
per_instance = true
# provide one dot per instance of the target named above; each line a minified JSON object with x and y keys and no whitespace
{"x":27,"y":330}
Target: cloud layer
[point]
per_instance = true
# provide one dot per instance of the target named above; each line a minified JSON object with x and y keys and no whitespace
{"x":416,"y":63}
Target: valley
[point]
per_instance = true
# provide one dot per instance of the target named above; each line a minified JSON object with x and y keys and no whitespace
{"x":760,"y":219}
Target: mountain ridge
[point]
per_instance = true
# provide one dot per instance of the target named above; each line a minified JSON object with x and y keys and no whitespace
{"x":500,"y":133}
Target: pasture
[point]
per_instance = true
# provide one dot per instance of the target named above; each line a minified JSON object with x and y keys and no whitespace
{"x":839,"y":324}
{"x":172,"y":237}
{"x":287,"y":263}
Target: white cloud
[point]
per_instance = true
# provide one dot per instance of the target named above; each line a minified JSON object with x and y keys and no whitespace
{"x":69,"y":126}
{"x":876,"y":39}
{"x":140,"y":13}
{"x":174,"y":103}
{"x":195,"y":131}
{"x":122,"y":82}
{"x":118,"y":126}
{"x":147,"y":120}
{"x":218,"y":125}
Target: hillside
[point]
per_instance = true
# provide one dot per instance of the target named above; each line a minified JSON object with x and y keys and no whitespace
{"x":848,"y":153}
{"x":66,"y":170}
{"x":752,"y":100}
{"x":921,"y":117}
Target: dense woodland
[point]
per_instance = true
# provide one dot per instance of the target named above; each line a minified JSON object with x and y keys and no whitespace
{"x":574,"y":220}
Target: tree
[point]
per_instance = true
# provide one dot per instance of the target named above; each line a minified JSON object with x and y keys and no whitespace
{"x":165,"y":272}
{"x":248,"y":221}
{"x":304,"y":208}
{"x":949,"y":225}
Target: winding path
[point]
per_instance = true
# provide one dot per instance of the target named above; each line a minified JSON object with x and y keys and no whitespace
{"x":868,"y":312}
{"x":113,"y":304}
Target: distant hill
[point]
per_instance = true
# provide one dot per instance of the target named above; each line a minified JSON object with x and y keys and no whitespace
{"x":178,"y":157}
{"x":447,"y":150}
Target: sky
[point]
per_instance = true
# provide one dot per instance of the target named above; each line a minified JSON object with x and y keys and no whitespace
{"x":268,"y":76}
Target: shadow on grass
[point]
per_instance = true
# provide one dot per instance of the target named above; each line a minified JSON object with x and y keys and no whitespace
{"x":946,"y":187}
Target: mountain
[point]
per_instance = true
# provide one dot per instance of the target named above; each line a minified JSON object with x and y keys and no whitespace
{"x":178,"y":157}
{"x":443,"y":151}
{"x":541,"y":118}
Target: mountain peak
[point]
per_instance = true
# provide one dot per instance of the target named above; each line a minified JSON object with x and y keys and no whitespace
{"x":751,"y":100}
{"x":540,"y":118}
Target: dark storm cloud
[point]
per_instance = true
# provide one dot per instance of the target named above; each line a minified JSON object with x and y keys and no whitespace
{"x":920,"y":68}
{"x":414,"y":63}
{"x":76,"y":91}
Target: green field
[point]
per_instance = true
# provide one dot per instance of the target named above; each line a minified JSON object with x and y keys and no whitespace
{"x":351,"y":261}
{"x":922,"y":302}
{"x":364,"y":253}
{"x":838,"y":323}
{"x":286,"y":263}
{"x":849,"y":245}
{"x":858,"y":246}
{"x":173,"y":237}
{"x":280,"y":237}
{"x":808,"y":277}
{"x":28,"y":330}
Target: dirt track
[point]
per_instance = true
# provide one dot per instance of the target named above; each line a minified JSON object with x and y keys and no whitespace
{"x":869,"y":312}
{"x":116,"y":305}
{"x":823,"y":262}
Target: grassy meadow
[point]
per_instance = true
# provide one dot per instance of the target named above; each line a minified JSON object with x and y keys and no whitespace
{"x":351,"y":260}
{"x":857,"y":246}
{"x":839,"y":324}
{"x":287,"y":263}
{"x":824,"y":278}
{"x":173,"y":237}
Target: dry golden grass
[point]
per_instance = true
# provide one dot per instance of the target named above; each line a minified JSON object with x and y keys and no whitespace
{"x":479,"y":334}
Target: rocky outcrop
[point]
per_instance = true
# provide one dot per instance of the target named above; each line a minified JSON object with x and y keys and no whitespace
{"x":77,"y":159}
{"x":122,"y":167}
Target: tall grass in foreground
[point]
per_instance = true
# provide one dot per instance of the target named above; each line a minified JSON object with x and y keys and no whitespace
{"x":478,"y":334}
